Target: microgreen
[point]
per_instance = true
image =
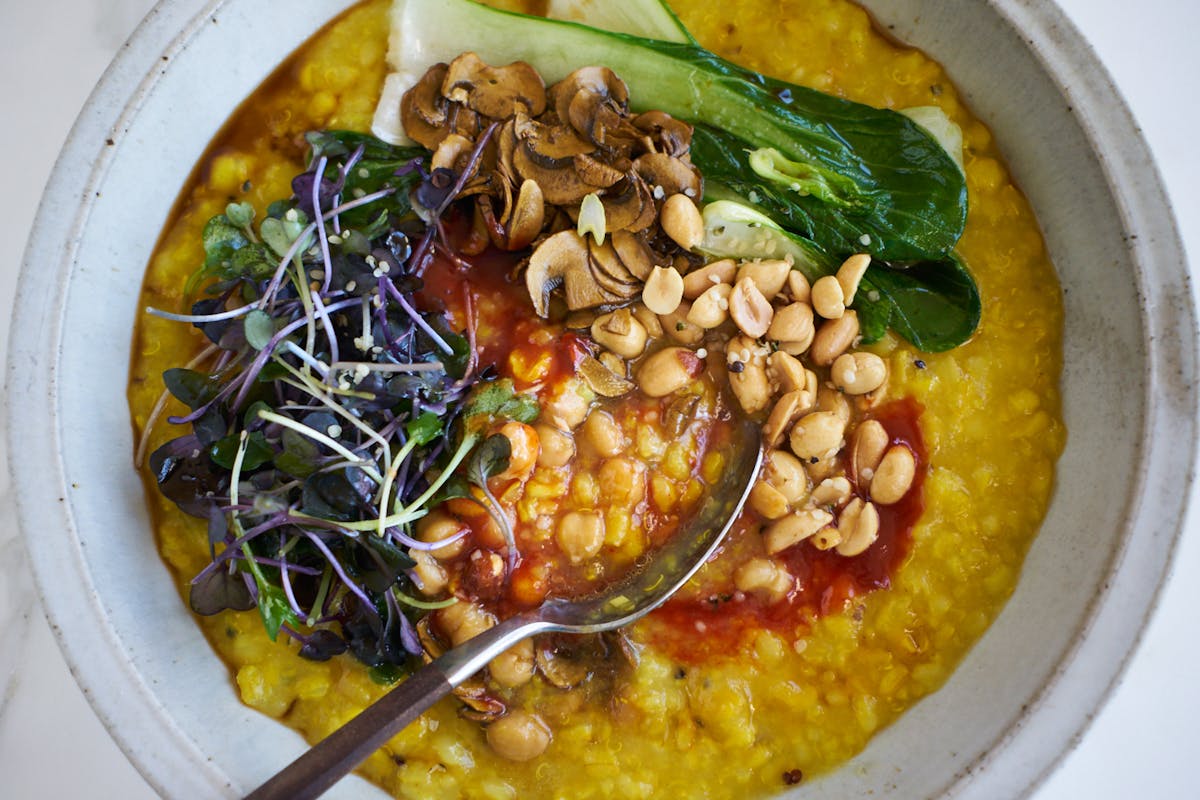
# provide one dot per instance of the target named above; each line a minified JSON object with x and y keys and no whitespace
{"x":332,"y":410}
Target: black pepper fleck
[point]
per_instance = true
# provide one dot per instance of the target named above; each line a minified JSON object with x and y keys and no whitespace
{"x":736,"y":367}
{"x":680,"y":674}
{"x":919,"y":364}
{"x":813,"y":460}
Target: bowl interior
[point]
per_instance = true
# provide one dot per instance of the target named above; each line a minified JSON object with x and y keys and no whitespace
{"x":1008,"y":712}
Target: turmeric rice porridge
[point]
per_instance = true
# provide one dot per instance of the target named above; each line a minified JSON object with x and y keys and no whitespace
{"x":419,"y":383}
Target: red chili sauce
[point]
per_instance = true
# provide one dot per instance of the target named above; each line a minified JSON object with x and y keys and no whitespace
{"x":712,"y":618}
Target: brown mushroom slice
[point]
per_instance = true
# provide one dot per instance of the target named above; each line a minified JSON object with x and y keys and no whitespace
{"x":561,"y":186}
{"x":566,"y":661}
{"x":506,"y":144}
{"x":423,"y":110}
{"x":674,"y":175}
{"x":550,"y":146}
{"x":606,"y":260}
{"x":611,"y":274}
{"x":595,"y":172}
{"x":479,"y":703}
{"x":629,"y":206}
{"x":672,"y":136}
{"x":449,"y":151}
{"x":526,"y":217}
{"x":592,"y":100}
{"x":548,"y":267}
{"x":602,"y":380}
{"x":494,"y":92}
{"x":636,"y":256}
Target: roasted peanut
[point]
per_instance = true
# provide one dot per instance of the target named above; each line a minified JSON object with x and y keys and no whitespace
{"x":787,"y":409}
{"x":793,"y":327}
{"x":785,"y":472}
{"x":699,"y":281}
{"x":769,"y":276}
{"x":833,"y":338}
{"x":681,"y":220}
{"x":831,"y":492}
{"x":817,"y":435}
{"x":750,"y":310}
{"x":668,"y":371}
{"x":621,"y":333}
{"x":859,"y":524}
{"x":858,"y":373}
{"x":746,"y":361}
{"x":826,"y":538}
{"x":519,"y":736}
{"x":867,"y":446}
{"x":827,"y":297}
{"x":580,"y":535}
{"x":894,"y":476}
{"x":794,"y":528}
{"x":711,"y":309}
{"x":663,"y":290}
{"x":764,"y":576}
{"x":787,"y":372}
{"x":768,"y":501}
{"x":798,"y":287}
{"x":649,"y":320}
{"x":850,"y":275}
{"x":833,"y":401}
{"x":676,"y":326}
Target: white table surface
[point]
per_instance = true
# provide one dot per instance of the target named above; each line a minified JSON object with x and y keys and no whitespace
{"x":51,"y":744}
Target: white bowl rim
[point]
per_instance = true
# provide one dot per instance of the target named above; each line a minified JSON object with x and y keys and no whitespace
{"x":129,"y":708}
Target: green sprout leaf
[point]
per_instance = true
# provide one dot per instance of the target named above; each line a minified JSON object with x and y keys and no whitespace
{"x":193,"y":389}
{"x":258,"y":452}
{"x":259,"y":329}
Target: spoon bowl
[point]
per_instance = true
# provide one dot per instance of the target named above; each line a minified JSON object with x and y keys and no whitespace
{"x":627,"y":599}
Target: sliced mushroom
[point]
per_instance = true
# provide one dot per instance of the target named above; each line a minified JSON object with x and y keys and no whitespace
{"x":674,"y":175}
{"x":593,"y":100}
{"x":564,"y":662}
{"x":480,"y":704}
{"x":548,"y":266}
{"x":629,"y":205}
{"x":669,"y":135}
{"x":560,"y":185}
{"x":602,"y":380}
{"x":494,"y":92}
{"x":449,"y":151}
{"x":526,"y":217}
{"x":634,"y":253}
{"x":423,"y":110}
{"x":595,"y":172}
{"x":611,"y":271}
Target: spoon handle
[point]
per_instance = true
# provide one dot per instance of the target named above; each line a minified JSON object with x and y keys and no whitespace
{"x":314,"y":772}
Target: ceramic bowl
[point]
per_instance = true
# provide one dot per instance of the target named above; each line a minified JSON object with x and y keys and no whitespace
{"x":1024,"y":693}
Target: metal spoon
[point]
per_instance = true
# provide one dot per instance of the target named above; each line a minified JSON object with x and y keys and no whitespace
{"x":621,"y":603}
